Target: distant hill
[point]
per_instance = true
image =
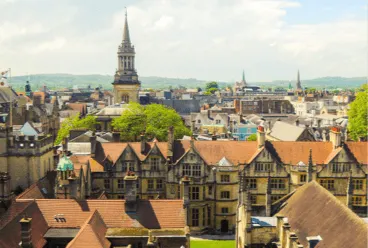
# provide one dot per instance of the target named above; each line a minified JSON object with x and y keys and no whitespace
{"x":55,"y":81}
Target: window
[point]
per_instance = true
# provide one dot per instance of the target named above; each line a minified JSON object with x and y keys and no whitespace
{"x":192,"y":157}
{"x":150,"y":183}
{"x":210,"y":190}
{"x":159,"y":184}
{"x":218,"y":121}
{"x":195,"y":216}
{"x":121,"y":197}
{"x":131,"y":166}
{"x":179,"y":192}
{"x":328,"y":184}
{"x":225,"y":210}
{"x":340,"y":167}
{"x":194,"y":193}
{"x":107,"y":183}
{"x":358,"y":184}
{"x":199,"y":121}
{"x":209,"y":216}
{"x":125,"y":98}
{"x":252,"y":183}
{"x":277,"y":184}
{"x":303,"y":178}
{"x":357,"y":200}
{"x":275,"y":197}
{"x":120,"y":183}
{"x":186,"y":170}
{"x":263,"y":167}
{"x":225,"y":178}
{"x":253,"y":199}
{"x":225,"y":194}
{"x":137,"y":184}
{"x":196,"y":169}
{"x":155,"y":163}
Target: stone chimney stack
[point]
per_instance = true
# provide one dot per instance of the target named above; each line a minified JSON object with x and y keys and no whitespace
{"x":130,"y":192}
{"x":313,"y":241}
{"x":335,"y":136}
{"x":4,"y":186}
{"x":170,"y":142}
{"x":93,"y":142}
{"x":261,"y":136}
{"x":116,"y":136}
{"x":65,"y":144}
{"x":26,"y":232}
{"x":143,"y":144}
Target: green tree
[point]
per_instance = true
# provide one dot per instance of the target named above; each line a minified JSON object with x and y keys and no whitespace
{"x":211,"y":85}
{"x":358,"y":124}
{"x":154,"y":120}
{"x":89,"y":122}
{"x":252,"y":137}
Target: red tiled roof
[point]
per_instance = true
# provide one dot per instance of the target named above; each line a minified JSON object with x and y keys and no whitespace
{"x":359,"y":150}
{"x":293,"y":151}
{"x":151,"y":214}
{"x":92,"y":234}
{"x":33,"y":192}
{"x":312,"y":210}
{"x":81,"y":107}
{"x":113,"y":150}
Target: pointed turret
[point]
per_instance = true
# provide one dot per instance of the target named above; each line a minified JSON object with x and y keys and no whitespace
{"x":243,"y":78}
{"x":310,"y":167}
{"x":298,"y":83}
{"x":126,"y":36}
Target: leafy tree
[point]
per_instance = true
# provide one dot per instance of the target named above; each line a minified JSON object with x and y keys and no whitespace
{"x":212,"y":90}
{"x":311,"y":90}
{"x":211,"y":85}
{"x":252,"y":137}
{"x":358,"y":123}
{"x":154,"y":120}
{"x":89,"y":122}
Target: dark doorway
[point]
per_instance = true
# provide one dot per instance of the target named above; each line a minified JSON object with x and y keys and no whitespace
{"x":224,"y":226}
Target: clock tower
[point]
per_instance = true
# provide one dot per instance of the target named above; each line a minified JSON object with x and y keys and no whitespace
{"x":126,"y":83}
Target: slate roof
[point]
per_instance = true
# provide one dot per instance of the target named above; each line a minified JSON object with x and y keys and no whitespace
{"x":285,"y":131}
{"x":312,"y":210}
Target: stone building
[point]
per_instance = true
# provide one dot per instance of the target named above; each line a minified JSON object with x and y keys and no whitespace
{"x":272,"y":169}
{"x":126,"y":84}
{"x":309,"y":217}
{"x":264,"y":106}
{"x":26,"y":159}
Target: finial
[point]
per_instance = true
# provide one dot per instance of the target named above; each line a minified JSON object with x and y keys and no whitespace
{"x":126,"y":11}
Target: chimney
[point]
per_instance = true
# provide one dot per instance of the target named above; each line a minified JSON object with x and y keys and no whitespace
{"x":335,"y":137}
{"x":93,"y":142}
{"x":152,"y":241}
{"x":324,"y":134}
{"x":297,"y":122}
{"x":65,"y":144}
{"x":143,"y":144}
{"x":313,"y":241}
{"x":116,"y":136}
{"x":261,"y":136}
{"x":130,"y":192}
{"x":73,"y":186}
{"x":192,"y":127}
{"x":26,"y":232}
{"x":170,"y":142}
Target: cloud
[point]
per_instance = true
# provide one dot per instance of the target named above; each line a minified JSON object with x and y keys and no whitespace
{"x":207,"y":39}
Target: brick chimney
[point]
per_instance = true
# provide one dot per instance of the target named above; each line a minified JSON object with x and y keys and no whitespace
{"x":170,"y":142}
{"x":130,"y":192}
{"x":313,"y":241}
{"x":261,"y":136}
{"x":26,"y":232}
{"x":116,"y":136}
{"x":93,"y":142}
{"x":335,"y":136}
{"x":143,"y":144}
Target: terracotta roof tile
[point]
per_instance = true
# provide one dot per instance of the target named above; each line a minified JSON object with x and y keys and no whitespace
{"x":359,"y":150}
{"x":92,"y":234}
{"x":293,"y":151}
{"x":95,"y":166}
{"x":151,"y":214}
{"x":113,"y":150}
{"x":312,"y":211}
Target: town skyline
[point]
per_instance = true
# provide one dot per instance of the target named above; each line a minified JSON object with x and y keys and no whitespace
{"x":277,"y":40}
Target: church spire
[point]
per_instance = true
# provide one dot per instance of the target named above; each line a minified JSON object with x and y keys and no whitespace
{"x":298,"y":83}
{"x":243,"y":78}
{"x":126,"y":36}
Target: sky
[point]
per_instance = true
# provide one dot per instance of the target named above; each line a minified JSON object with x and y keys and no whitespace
{"x":206,"y":39}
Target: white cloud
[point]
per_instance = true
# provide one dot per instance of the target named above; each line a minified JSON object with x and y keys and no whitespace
{"x":207,"y":39}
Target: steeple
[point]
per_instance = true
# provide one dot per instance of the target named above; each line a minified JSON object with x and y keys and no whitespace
{"x":310,"y":167}
{"x":298,"y":83}
{"x":126,"y":36}
{"x":243,"y":78}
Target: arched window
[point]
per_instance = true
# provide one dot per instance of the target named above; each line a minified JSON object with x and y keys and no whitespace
{"x":125,"y":98}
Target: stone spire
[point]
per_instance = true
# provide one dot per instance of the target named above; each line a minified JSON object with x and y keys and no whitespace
{"x":243,"y":78}
{"x":298,"y":83}
{"x":310,"y":167}
{"x":126,"y":36}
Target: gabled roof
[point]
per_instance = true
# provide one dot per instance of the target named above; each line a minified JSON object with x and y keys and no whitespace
{"x":91,"y":234}
{"x":359,"y":150}
{"x":294,"y":152}
{"x":285,"y":131}
{"x":312,"y":210}
{"x":150,"y":214}
{"x":113,"y":150}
